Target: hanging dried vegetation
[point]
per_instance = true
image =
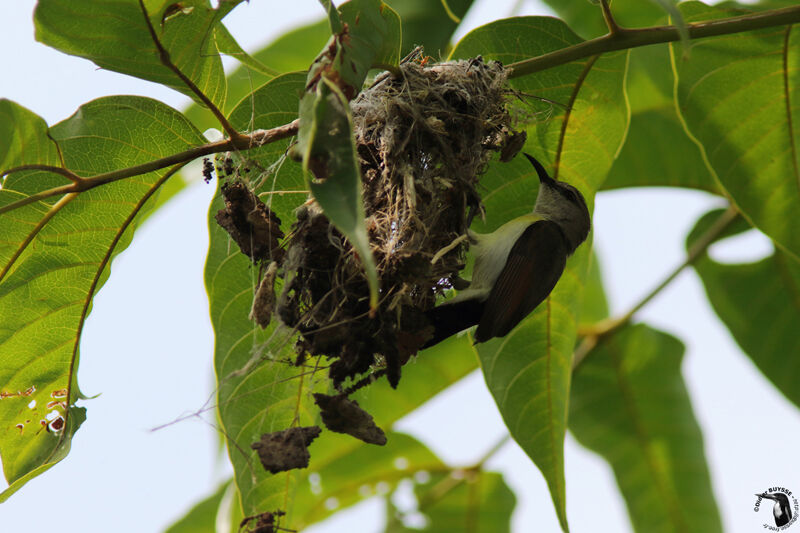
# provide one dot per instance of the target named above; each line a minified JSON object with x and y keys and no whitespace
{"x":423,"y":139}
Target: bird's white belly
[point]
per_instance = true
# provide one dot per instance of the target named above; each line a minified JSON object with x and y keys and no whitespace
{"x":491,"y":253}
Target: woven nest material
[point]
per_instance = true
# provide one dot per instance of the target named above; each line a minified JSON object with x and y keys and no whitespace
{"x":424,"y":137}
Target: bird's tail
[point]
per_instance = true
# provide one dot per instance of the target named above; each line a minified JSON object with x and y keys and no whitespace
{"x":449,"y":319}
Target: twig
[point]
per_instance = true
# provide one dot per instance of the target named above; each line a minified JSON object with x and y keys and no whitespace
{"x":244,"y":142}
{"x":613,"y":27}
{"x":595,"y":333}
{"x":71,"y":176}
{"x":163,"y":55}
{"x":632,"y":38}
{"x":441,"y":489}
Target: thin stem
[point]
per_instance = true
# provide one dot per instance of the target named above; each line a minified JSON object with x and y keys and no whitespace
{"x":164,"y":56}
{"x":452,"y":16}
{"x":613,"y":27}
{"x":491,"y":452}
{"x":71,"y":176}
{"x":244,"y":142}
{"x":597,"y":332}
{"x":632,"y":38}
{"x":35,"y":231}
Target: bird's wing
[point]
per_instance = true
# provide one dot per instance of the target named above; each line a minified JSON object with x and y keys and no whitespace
{"x":532,"y":269}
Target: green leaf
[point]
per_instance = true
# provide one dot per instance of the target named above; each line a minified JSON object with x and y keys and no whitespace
{"x":431,"y":372}
{"x":375,"y":36}
{"x":115,"y":36}
{"x":55,"y":252}
{"x":658,"y":153}
{"x":595,"y":305}
{"x":481,"y":502}
{"x":349,"y":471}
{"x":202,"y":517}
{"x":258,"y":388}
{"x":326,"y":138}
{"x":586,"y":18}
{"x":738,"y":97}
{"x":759,"y":303}
{"x":630,"y":405}
{"x":293,"y":51}
{"x":426,"y":24}
{"x":370,"y":36}
{"x":528,"y":372}
{"x":274,"y":104}
{"x":227,"y":44}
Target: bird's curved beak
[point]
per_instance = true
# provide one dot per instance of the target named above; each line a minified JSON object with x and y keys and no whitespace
{"x":544,"y":177}
{"x":768,"y":496}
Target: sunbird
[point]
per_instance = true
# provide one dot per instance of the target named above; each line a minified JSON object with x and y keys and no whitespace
{"x":517,"y":265}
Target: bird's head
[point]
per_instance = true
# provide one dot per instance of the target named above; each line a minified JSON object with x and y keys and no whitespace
{"x":776,"y":496}
{"x":563,"y":204}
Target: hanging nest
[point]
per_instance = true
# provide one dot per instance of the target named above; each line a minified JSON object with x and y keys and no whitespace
{"x":424,"y":137}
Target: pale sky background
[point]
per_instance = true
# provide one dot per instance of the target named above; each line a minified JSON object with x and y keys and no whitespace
{"x":148,"y":344}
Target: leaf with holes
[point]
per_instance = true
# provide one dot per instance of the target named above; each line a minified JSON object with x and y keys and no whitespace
{"x":55,"y":254}
{"x":759,"y":303}
{"x":528,"y":372}
{"x":114,"y":35}
{"x":630,"y":405}
{"x":740,"y":98}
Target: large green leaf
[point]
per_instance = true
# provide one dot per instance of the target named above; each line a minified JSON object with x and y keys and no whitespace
{"x":426,"y":24}
{"x":55,"y":253}
{"x":586,"y":18}
{"x":738,"y":95}
{"x":368,"y":34}
{"x":293,"y":51}
{"x":528,"y":372}
{"x":759,"y":303}
{"x":630,"y":405}
{"x":595,"y":305}
{"x":659,"y":153}
{"x":482,"y":503}
{"x":115,"y":36}
{"x":271,"y":395}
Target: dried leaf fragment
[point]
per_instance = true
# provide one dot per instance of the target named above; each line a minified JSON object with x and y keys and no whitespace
{"x":249,"y":222}
{"x":343,"y":415}
{"x":284,"y":450}
{"x":264,"y":299}
{"x":264,"y":522}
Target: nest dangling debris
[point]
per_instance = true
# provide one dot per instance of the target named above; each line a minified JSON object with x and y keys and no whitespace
{"x":424,"y":137}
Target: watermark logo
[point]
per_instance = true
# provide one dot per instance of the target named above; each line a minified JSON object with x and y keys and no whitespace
{"x":783,"y":505}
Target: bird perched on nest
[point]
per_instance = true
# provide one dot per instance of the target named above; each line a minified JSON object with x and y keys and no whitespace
{"x":517,"y":265}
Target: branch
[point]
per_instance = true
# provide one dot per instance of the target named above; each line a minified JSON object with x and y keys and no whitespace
{"x":163,"y":55}
{"x":243,"y":142}
{"x":596,"y":332}
{"x":631,"y":38}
